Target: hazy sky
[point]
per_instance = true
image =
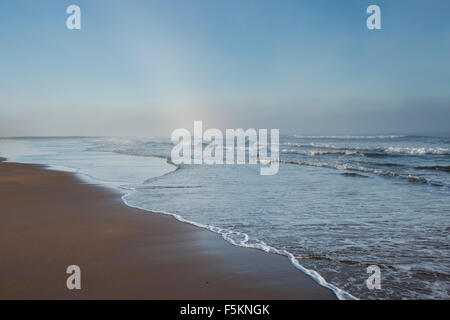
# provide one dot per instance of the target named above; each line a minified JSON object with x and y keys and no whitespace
{"x":148,"y":67}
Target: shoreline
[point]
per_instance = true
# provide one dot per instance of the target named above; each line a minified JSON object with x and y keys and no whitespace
{"x":51,"y":219}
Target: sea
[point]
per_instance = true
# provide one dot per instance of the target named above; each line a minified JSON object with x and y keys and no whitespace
{"x":338,"y":205}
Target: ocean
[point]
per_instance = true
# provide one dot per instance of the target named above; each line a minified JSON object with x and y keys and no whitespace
{"x":337,"y":205}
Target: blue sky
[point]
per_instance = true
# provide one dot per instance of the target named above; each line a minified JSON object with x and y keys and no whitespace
{"x":148,"y":67}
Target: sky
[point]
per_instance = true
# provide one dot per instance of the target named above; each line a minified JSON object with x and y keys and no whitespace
{"x":148,"y":67}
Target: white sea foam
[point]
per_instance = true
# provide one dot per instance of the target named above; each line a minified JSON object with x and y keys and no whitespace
{"x":346,"y":137}
{"x":393,"y":150}
{"x":418,"y":150}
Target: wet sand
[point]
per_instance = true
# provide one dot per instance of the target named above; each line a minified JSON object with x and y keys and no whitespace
{"x":50,"y":220}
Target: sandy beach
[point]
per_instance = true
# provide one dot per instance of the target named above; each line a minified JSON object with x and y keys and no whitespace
{"x":50,"y":220}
